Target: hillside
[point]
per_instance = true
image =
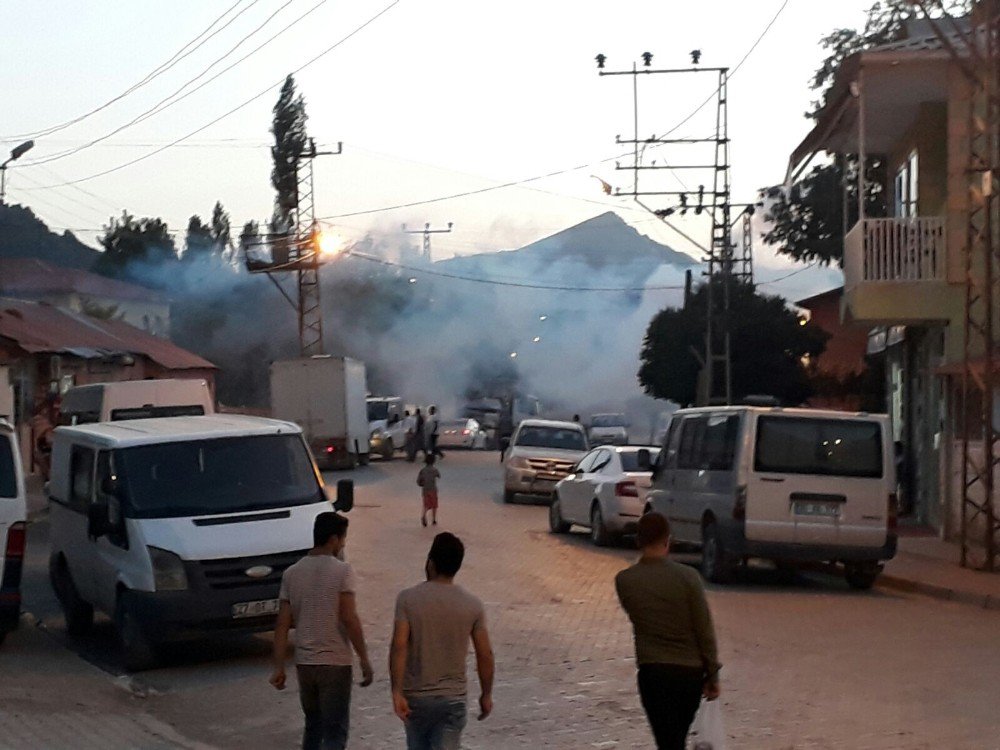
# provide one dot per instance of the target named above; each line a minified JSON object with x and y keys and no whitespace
{"x":24,"y":235}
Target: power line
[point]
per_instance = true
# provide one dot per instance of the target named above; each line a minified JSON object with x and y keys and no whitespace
{"x":155,"y":73}
{"x":235,"y":109}
{"x":173,"y":98}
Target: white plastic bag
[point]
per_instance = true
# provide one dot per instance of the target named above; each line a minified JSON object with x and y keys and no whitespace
{"x":707,"y":730}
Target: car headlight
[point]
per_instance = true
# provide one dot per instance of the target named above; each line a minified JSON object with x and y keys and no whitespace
{"x":517,"y":462}
{"x":168,"y":570}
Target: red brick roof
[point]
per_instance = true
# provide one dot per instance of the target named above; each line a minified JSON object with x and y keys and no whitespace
{"x":40,"y":327}
{"x":30,"y":276}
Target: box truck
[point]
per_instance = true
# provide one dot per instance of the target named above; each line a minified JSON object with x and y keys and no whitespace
{"x":325,"y":396}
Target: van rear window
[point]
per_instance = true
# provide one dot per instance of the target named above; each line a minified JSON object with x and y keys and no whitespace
{"x":8,"y":485}
{"x":828,"y":447}
{"x":151,"y":412}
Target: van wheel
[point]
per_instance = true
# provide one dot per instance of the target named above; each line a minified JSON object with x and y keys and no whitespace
{"x":557,"y":525}
{"x":79,"y":615}
{"x":138,"y":652}
{"x":508,"y":496}
{"x":364,"y":458}
{"x":388,"y":450}
{"x":599,"y":534}
{"x":716,"y":565}
{"x":861,"y":576}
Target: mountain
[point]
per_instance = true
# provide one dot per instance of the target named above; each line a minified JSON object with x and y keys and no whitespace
{"x":24,"y":235}
{"x":603,"y":247}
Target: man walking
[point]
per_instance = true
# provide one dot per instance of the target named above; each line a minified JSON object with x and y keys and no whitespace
{"x":432,"y":426}
{"x":317,"y":598}
{"x":434,"y":622}
{"x":674,"y":638}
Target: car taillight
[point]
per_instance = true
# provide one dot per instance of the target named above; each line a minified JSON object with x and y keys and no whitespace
{"x":466,"y":432}
{"x":15,"y":541}
{"x":626,"y":489}
{"x":331,"y":448}
{"x":740,"y":503}
{"x":892,"y":513}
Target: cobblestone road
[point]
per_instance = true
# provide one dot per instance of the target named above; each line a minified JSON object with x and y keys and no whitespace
{"x":808,"y":663}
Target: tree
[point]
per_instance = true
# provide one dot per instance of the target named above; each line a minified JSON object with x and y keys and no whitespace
{"x":221,"y":229}
{"x":289,"y":130}
{"x":770,"y":347}
{"x":198,"y":240}
{"x":129,"y":240}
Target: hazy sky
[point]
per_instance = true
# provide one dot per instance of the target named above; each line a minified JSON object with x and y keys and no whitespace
{"x":435,"y":97}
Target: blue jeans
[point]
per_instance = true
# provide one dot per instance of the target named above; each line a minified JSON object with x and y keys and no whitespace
{"x":436,"y":722}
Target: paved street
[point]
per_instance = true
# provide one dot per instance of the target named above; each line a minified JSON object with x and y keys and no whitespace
{"x":808,"y":663}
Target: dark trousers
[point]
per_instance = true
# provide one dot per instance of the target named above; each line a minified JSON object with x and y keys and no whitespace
{"x":435,"y":451}
{"x":325,"y":693}
{"x":670,"y":695}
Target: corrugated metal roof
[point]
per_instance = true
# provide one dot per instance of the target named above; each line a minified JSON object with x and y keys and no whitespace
{"x":20,"y":276}
{"x":40,"y":327}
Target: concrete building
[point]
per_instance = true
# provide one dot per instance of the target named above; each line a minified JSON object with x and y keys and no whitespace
{"x":85,"y":292}
{"x":908,"y":104}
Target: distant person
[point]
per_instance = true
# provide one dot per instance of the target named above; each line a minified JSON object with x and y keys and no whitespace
{"x":432,"y":426}
{"x":675,"y":646}
{"x":317,"y":598}
{"x":435,"y":621}
{"x":419,"y":440}
{"x":409,"y":425}
{"x":427,"y":479}
{"x":576,"y":418}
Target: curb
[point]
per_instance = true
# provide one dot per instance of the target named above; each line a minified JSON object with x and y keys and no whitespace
{"x":982,"y":601}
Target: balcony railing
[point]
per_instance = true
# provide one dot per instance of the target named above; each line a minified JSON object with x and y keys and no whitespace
{"x":895,"y":250}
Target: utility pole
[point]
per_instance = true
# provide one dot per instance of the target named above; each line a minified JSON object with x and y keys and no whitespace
{"x":304,"y":254}
{"x":715,"y":381}
{"x":976,"y":53}
{"x":425,"y":254}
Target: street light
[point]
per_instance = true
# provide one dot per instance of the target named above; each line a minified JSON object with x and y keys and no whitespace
{"x":17,"y":153}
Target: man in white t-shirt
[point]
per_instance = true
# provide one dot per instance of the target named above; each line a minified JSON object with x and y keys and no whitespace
{"x":318,"y":599}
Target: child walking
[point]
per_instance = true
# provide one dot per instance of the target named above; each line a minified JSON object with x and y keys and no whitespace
{"x":427,"y":479}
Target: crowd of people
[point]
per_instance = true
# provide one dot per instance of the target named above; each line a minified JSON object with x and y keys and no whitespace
{"x":435,"y":621}
{"x":422,"y":433}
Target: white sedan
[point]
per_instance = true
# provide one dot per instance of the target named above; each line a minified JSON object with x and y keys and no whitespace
{"x":461,"y":433}
{"x":606,"y":492}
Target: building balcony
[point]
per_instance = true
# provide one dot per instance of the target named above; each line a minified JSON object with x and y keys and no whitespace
{"x":895,"y":272}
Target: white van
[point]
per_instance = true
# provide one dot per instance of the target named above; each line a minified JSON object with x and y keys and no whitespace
{"x":181,"y":526}
{"x":789,"y":485}
{"x":136,"y":399}
{"x":13,"y":514}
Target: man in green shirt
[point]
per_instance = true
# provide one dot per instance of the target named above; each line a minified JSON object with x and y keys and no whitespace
{"x":675,"y":647}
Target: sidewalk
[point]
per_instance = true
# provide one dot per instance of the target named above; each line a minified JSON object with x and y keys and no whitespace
{"x":925,"y":564}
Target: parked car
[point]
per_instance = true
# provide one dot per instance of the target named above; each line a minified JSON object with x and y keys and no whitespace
{"x":180,"y":526}
{"x":385,"y":421}
{"x":789,"y":485}
{"x":461,"y":433}
{"x":13,"y":515}
{"x":609,"y":429}
{"x":606,"y":493}
{"x":540,"y":453}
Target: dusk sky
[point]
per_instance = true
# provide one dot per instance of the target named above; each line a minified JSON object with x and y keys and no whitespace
{"x":432,"y":98}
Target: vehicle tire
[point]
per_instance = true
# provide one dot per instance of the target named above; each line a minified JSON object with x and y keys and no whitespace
{"x":599,"y":533}
{"x":716,"y":565}
{"x":79,"y":615}
{"x":508,"y":496}
{"x":388,"y":450}
{"x":138,"y":651}
{"x":364,"y":458}
{"x":557,"y":525}
{"x":861,"y":576}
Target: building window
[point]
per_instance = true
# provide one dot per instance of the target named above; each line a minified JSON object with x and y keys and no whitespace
{"x":906,"y":190}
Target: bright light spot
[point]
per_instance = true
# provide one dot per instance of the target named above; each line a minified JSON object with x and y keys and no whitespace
{"x":537,"y":339}
{"x":413,"y":281}
{"x":331,"y":244}
{"x":838,"y":441}
{"x":543,"y":317}
{"x":513,"y":355}
{"x":802,"y":321}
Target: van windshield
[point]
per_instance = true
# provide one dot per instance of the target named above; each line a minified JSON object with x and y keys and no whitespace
{"x":226,"y":475}
{"x":8,"y":485}
{"x":829,"y":447}
{"x":378,"y":410}
{"x":551,"y":437}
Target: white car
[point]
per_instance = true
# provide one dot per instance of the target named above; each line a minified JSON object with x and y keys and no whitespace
{"x":609,"y":429}
{"x":540,"y":453}
{"x":606,"y":493}
{"x":461,"y":433}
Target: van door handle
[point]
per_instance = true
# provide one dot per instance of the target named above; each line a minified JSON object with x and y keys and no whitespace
{"x":776,"y":480}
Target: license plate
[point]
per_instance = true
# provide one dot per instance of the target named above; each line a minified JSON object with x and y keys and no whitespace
{"x":255,"y":609}
{"x":827,"y":510}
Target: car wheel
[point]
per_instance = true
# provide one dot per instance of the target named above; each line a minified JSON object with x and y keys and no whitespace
{"x":861,"y":576}
{"x":79,"y":615}
{"x":508,"y":496}
{"x":557,"y":525}
{"x":388,"y":450}
{"x":716,"y":565}
{"x":599,"y":534}
{"x":138,"y":652}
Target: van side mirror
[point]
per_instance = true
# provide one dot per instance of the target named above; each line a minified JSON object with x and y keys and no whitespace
{"x":98,"y":522}
{"x":344,"y":501}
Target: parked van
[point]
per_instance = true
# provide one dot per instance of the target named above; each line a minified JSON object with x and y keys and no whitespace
{"x":788,"y":485}
{"x":136,"y":399}
{"x":178,"y":527}
{"x":13,"y":514}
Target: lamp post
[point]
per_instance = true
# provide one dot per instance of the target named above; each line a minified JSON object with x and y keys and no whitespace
{"x":17,"y":153}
